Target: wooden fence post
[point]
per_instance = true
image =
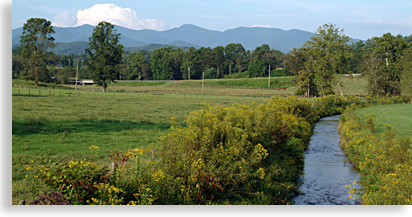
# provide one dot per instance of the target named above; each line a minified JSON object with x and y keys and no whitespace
{"x":154,"y":154}
{"x":112,"y":167}
{"x":18,"y":91}
{"x":29,"y":92}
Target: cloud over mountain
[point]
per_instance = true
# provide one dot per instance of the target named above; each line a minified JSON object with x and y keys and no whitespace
{"x":64,"y":20}
{"x":117,"y":15}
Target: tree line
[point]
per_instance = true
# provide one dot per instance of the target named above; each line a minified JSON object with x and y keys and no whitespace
{"x":165,"y":63}
{"x":385,"y":60}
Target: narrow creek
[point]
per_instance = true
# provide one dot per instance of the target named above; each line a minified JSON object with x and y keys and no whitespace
{"x":326,"y":173}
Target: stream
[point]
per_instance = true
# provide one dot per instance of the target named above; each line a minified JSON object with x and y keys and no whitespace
{"x":326,"y":173}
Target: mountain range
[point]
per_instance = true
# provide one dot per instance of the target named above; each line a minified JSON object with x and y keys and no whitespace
{"x":189,"y":35}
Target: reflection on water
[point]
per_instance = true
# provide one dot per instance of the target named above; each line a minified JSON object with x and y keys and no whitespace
{"x":325,"y":172}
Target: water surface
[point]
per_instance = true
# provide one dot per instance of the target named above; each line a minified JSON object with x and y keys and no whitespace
{"x":326,"y":173}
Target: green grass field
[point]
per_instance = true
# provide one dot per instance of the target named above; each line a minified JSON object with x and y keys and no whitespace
{"x":60,"y":128}
{"x":399,"y":116}
{"x":224,"y":87}
{"x":51,"y":123}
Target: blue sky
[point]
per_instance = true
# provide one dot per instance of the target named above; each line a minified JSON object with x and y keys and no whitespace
{"x":359,"y":19}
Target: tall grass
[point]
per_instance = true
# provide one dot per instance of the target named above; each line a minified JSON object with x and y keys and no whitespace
{"x":383,"y":158}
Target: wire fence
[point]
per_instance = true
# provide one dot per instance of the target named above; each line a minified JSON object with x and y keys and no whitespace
{"x":137,"y":94}
{"x":146,"y":94}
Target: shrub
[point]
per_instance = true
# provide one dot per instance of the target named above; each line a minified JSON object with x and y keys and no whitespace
{"x":230,"y":154}
{"x":52,"y":198}
{"x":106,"y":195}
{"x":75,"y":180}
{"x":384,"y":162}
{"x":385,"y":100}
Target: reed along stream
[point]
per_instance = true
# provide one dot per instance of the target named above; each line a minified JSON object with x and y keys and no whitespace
{"x":326,"y":173}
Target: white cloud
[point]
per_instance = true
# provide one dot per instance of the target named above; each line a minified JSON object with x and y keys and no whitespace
{"x":63,"y":20}
{"x":375,"y":27}
{"x":116,"y":15}
{"x":265,"y":26}
{"x":407,"y":22}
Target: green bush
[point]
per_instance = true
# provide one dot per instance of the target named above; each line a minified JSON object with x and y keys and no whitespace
{"x":384,"y":162}
{"x":75,"y":180}
{"x":235,"y":154}
{"x":385,"y":100}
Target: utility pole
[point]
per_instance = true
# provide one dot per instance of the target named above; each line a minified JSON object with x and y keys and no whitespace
{"x":269,"y":78}
{"x":77,"y":73}
{"x":188,"y":73}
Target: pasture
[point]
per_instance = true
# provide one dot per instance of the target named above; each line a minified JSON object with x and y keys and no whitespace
{"x":398,"y":116}
{"x":51,"y":124}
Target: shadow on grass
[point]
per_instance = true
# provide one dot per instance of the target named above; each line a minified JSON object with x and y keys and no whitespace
{"x":41,"y":126}
{"x":31,"y":95}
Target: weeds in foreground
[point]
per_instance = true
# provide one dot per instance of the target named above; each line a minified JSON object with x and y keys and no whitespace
{"x":221,"y":155}
{"x":384,"y":161}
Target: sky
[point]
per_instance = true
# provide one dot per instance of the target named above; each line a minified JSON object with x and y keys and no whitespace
{"x":360,"y":19}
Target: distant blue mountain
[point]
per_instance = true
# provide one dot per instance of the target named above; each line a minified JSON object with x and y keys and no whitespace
{"x":189,"y":35}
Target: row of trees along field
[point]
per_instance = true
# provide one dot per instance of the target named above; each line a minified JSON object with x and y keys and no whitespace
{"x":385,"y":61}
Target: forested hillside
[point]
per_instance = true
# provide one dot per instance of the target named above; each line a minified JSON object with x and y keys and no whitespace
{"x":190,"y":35}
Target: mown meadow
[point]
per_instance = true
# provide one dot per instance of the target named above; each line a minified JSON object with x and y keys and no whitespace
{"x":163,"y":143}
{"x":229,"y":87}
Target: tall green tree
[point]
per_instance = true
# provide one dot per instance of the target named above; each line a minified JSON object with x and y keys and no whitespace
{"x":234,"y":54}
{"x":165,"y":63}
{"x":105,"y":54}
{"x":262,"y":57}
{"x":218,"y":59}
{"x":204,"y":57}
{"x":306,"y":85}
{"x":295,"y":61}
{"x":135,"y":65}
{"x":328,"y":51}
{"x":35,"y":40}
{"x":388,"y":50}
{"x":190,"y":60}
{"x":405,"y":67}
{"x":372,"y":70}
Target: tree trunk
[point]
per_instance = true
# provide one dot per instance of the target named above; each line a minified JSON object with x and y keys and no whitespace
{"x":340,"y":89}
{"x":376,"y":87}
{"x":36,"y":74}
